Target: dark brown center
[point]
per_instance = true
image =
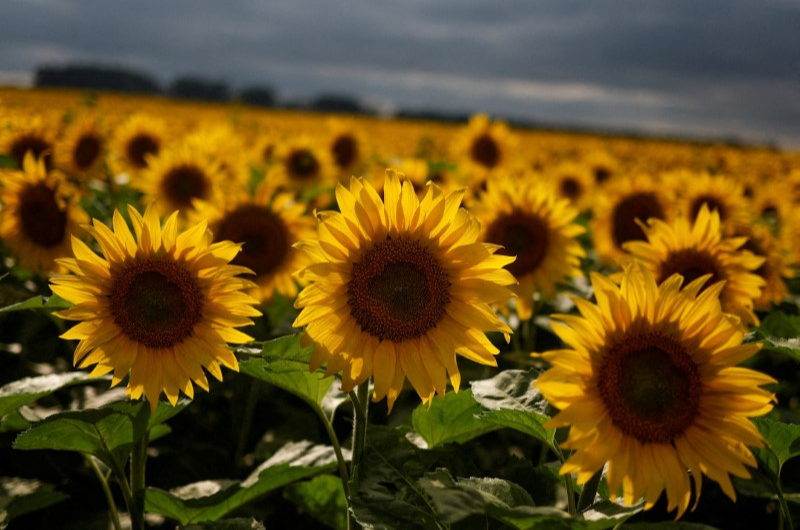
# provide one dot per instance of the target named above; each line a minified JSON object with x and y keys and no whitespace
{"x":524,"y":235}
{"x":345,"y":151}
{"x":41,"y":219}
{"x":184,"y":183}
{"x":713,"y":203}
{"x":650,"y":386}
{"x":571,"y":188}
{"x":601,"y":174}
{"x":303,"y":165}
{"x":86,"y":151}
{"x":265,"y":238}
{"x":485,"y":151}
{"x":642,"y":206}
{"x":139,"y":146}
{"x":156,"y":303}
{"x":398,"y":290}
{"x":691,"y":264}
{"x":35,"y":144}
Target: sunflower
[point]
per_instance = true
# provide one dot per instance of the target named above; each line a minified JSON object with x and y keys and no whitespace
{"x":572,"y":181}
{"x":617,"y":209}
{"x":222,"y":145}
{"x":775,"y":268}
{"x":650,"y":387}
{"x":346,"y":146}
{"x":139,"y":138}
{"x":721,"y":193}
{"x":698,"y":249}
{"x":81,"y":151}
{"x":267,"y":225}
{"x":400,"y":286}
{"x":603,"y":165}
{"x":772,"y":203}
{"x":39,"y":215}
{"x":161,"y":306}
{"x":177,"y":177}
{"x":302,"y":164}
{"x":28,"y":135}
{"x":483,"y":147}
{"x":527,"y":221}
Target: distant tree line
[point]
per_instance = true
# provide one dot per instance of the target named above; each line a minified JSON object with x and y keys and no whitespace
{"x":120,"y":79}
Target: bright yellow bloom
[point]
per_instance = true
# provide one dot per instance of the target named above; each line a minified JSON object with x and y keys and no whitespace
{"x":136,"y":140}
{"x":696,"y":249}
{"x":483,"y":147}
{"x":651,"y":387}
{"x":529,"y":222}
{"x":618,"y":210}
{"x":161,"y":306}
{"x":267,"y":224}
{"x":178,"y":177}
{"x":400,"y":286}
{"x":81,"y":151}
{"x":39,"y":215}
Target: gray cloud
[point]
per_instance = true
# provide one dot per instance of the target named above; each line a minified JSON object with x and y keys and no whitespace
{"x":720,"y":67}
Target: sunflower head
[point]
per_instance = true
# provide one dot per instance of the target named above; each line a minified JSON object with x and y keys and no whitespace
{"x":136,"y":140}
{"x":526,"y":220}
{"x":399,"y":286}
{"x":160,"y":306}
{"x":483,"y":147}
{"x":302,"y":164}
{"x":649,"y":385}
{"x":572,"y":181}
{"x":267,"y":224}
{"x":346,"y":146}
{"x":29,"y":135}
{"x":619,"y":210}
{"x":699,"y":249}
{"x":81,"y":151}
{"x":39,"y":215}
{"x":178,"y":177}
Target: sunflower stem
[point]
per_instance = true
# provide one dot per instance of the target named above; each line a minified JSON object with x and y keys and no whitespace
{"x":786,"y":516}
{"x":337,"y":448}
{"x":138,"y":461}
{"x":360,"y":415}
{"x":112,"y":507}
{"x":589,"y":491}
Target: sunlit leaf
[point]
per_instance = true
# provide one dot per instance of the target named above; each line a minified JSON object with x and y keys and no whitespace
{"x":24,"y":391}
{"x":19,"y":496}
{"x":211,"y":500}
{"x":450,"y":419}
{"x":323,"y":498}
{"x":284,"y":363}
{"x":106,"y":433}
{"x":783,"y":440}
{"x":51,"y":303}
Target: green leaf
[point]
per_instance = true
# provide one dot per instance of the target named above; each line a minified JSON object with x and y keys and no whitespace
{"x":456,"y":500}
{"x":106,"y":433}
{"x":334,"y":398}
{"x":24,"y":391}
{"x":19,"y":496}
{"x":770,"y":344}
{"x":669,"y":525}
{"x":513,"y":401}
{"x":450,"y":419}
{"x":54,"y":302}
{"x":211,"y":500}
{"x":387,"y":494}
{"x":284,"y":363}
{"x":8,"y":162}
{"x":780,"y":325}
{"x":783,"y":440}
{"x":323,"y":498}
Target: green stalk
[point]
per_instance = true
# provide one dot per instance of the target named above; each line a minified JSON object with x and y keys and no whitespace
{"x":137,"y":471}
{"x":360,"y":415}
{"x":567,"y":482}
{"x":112,"y":507}
{"x":337,"y":448}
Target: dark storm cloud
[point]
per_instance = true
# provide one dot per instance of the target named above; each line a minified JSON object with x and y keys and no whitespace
{"x":716,"y":67}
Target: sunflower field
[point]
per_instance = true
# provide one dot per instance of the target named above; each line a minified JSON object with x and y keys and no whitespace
{"x":217,"y":316}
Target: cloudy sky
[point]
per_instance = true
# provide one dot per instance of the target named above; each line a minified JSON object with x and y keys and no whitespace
{"x":709,"y":68}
